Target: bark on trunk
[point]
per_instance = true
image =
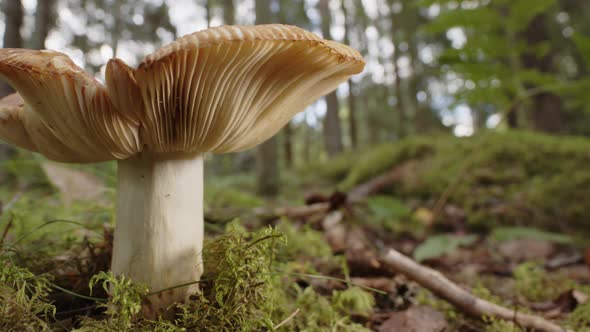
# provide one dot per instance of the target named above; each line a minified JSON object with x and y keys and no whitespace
{"x":546,"y":107}
{"x":352,"y":125}
{"x":288,"y":144}
{"x":229,"y":10}
{"x":399,"y":97}
{"x":332,"y":127}
{"x":14,"y":16}
{"x":267,"y":167}
{"x":332,"y":130}
{"x":44,"y":22}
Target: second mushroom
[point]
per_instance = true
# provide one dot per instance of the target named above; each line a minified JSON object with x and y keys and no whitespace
{"x":220,"y":90}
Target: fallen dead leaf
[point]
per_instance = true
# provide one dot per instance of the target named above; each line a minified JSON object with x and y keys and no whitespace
{"x":527,"y":249}
{"x":416,"y":319}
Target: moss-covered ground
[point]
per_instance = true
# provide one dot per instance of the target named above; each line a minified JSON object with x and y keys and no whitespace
{"x":504,"y":214}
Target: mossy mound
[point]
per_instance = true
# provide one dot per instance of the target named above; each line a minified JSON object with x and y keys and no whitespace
{"x":495,"y":178}
{"x":251,"y":283}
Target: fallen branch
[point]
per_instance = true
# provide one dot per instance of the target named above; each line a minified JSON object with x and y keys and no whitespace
{"x":381,"y":182}
{"x":462,"y":299}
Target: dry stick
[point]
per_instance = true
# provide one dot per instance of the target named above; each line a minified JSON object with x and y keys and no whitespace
{"x":462,"y":299}
{"x":288,"y":319}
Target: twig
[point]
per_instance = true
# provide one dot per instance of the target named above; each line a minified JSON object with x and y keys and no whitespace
{"x":462,"y":299}
{"x":288,"y":319}
{"x":6,"y":229}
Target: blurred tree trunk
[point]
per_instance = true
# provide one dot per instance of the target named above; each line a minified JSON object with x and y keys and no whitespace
{"x":14,"y":17}
{"x":399,"y":97}
{"x":267,"y":167}
{"x":44,"y":22}
{"x":287,"y":132}
{"x":332,"y":129}
{"x":307,"y":139}
{"x":14,"y":14}
{"x":411,"y":15}
{"x":546,"y":107}
{"x":208,"y":12}
{"x":288,"y":145}
{"x":117,"y":27}
{"x":229,"y":12}
{"x":352,"y":126}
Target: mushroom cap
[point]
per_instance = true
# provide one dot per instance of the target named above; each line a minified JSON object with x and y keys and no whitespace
{"x":66,"y":115}
{"x":219,"y":90}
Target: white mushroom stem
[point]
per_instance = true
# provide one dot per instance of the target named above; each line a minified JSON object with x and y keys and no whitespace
{"x":159,"y":230}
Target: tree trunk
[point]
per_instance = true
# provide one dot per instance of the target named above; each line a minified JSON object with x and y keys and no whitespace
{"x":546,"y":107}
{"x":229,"y":12}
{"x":399,"y":97}
{"x":352,"y":126}
{"x":14,"y":16}
{"x":208,"y":12}
{"x":332,"y":129}
{"x":307,"y":139}
{"x":288,"y":144}
{"x":267,"y":167}
{"x":44,"y":22}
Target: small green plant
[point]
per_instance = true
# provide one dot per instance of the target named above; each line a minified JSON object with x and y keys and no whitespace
{"x":354,"y":301}
{"x":532,"y":282}
{"x":125,"y":298}
{"x":498,"y":325}
{"x":235,"y":284}
{"x":579,"y":319}
{"x":302,"y":242}
{"x":24,"y":302}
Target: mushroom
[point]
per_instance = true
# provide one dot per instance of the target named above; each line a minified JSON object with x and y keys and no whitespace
{"x":219,"y":90}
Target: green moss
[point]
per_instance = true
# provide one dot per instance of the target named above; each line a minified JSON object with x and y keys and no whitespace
{"x":241,"y":290}
{"x":354,"y":301}
{"x":580,"y":318}
{"x":381,"y":158}
{"x":321,"y":314}
{"x":534,"y":284}
{"x":498,"y":325}
{"x":24,"y":304}
{"x":302,"y":242}
{"x":122,"y":308}
{"x":334,"y":169}
{"x":495,"y":178}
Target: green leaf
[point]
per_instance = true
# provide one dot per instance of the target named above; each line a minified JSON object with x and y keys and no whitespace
{"x":583,"y":44}
{"x":524,"y":11}
{"x":386,"y":207}
{"x":442,"y":244}
{"x":514,"y":233}
{"x":480,"y":18}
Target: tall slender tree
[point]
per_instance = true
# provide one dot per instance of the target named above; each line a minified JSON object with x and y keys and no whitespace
{"x":229,"y":12}
{"x":14,"y":18}
{"x":208,"y":12}
{"x":399,"y":97}
{"x":352,"y":106}
{"x":44,"y":22}
{"x":267,"y":168}
{"x":332,"y":126}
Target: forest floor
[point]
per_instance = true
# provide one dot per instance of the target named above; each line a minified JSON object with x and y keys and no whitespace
{"x":503,"y":216}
